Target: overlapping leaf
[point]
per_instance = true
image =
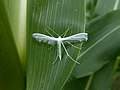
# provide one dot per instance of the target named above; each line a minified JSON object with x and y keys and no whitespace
{"x":103,"y":77}
{"x":103,"y":44}
{"x":100,"y":80}
{"x":16,"y":11}
{"x":105,"y":6}
{"x":11,"y":75}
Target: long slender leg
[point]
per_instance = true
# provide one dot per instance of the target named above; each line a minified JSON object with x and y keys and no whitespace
{"x":48,"y":32}
{"x":64,"y":33}
{"x":69,"y":55}
{"x":59,"y":50}
{"x":52,"y":30}
{"x":50,"y":47}
{"x":55,"y":59}
{"x":50,"y":35}
{"x":73,"y":45}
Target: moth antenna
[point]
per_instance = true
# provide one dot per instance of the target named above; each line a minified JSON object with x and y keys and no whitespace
{"x":74,"y":45}
{"x":64,"y":33}
{"x":69,"y":54}
{"x":52,"y":30}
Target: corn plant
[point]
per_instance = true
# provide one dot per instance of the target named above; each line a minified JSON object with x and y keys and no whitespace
{"x":27,"y":64}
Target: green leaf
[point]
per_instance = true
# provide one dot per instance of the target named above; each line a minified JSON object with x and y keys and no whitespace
{"x":16,"y":11}
{"x":103,"y":44}
{"x":11,"y":74}
{"x":76,"y":84}
{"x":103,"y":77}
{"x":105,"y":6}
{"x":59,"y":15}
{"x":13,"y":12}
{"x":99,"y":7}
{"x":100,"y":80}
{"x":116,"y":82}
{"x":90,"y":8}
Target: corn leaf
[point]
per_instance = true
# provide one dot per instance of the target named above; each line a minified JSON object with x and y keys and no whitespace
{"x":16,"y":11}
{"x":59,"y":15}
{"x":101,"y":7}
{"x":105,"y":6}
{"x":11,"y":74}
{"x":103,"y":77}
{"x":100,"y":80}
{"x":76,"y":84}
{"x":103,"y":44}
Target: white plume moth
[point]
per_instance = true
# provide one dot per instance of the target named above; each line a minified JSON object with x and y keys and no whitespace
{"x":60,"y":41}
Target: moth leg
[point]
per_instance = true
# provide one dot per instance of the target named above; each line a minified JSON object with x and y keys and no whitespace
{"x":69,"y":54}
{"x":52,"y":30}
{"x":50,"y":47}
{"x":48,"y":32}
{"x":55,"y":59}
{"x":64,"y":33}
{"x":73,"y":45}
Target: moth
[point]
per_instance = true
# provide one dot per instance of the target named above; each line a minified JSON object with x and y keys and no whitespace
{"x":60,"y":42}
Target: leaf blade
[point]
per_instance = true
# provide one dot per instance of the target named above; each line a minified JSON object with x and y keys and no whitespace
{"x":10,"y":66}
{"x":103,"y":77}
{"x":48,"y":76}
{"x":100,"y":28}
{"x":102,"y":8}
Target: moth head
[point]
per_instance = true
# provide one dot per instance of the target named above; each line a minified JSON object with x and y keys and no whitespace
{"x":34,"y":35}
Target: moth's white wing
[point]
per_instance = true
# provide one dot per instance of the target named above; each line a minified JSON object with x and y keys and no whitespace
{"x":77,"y":37}
{"x":44,"y":38}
